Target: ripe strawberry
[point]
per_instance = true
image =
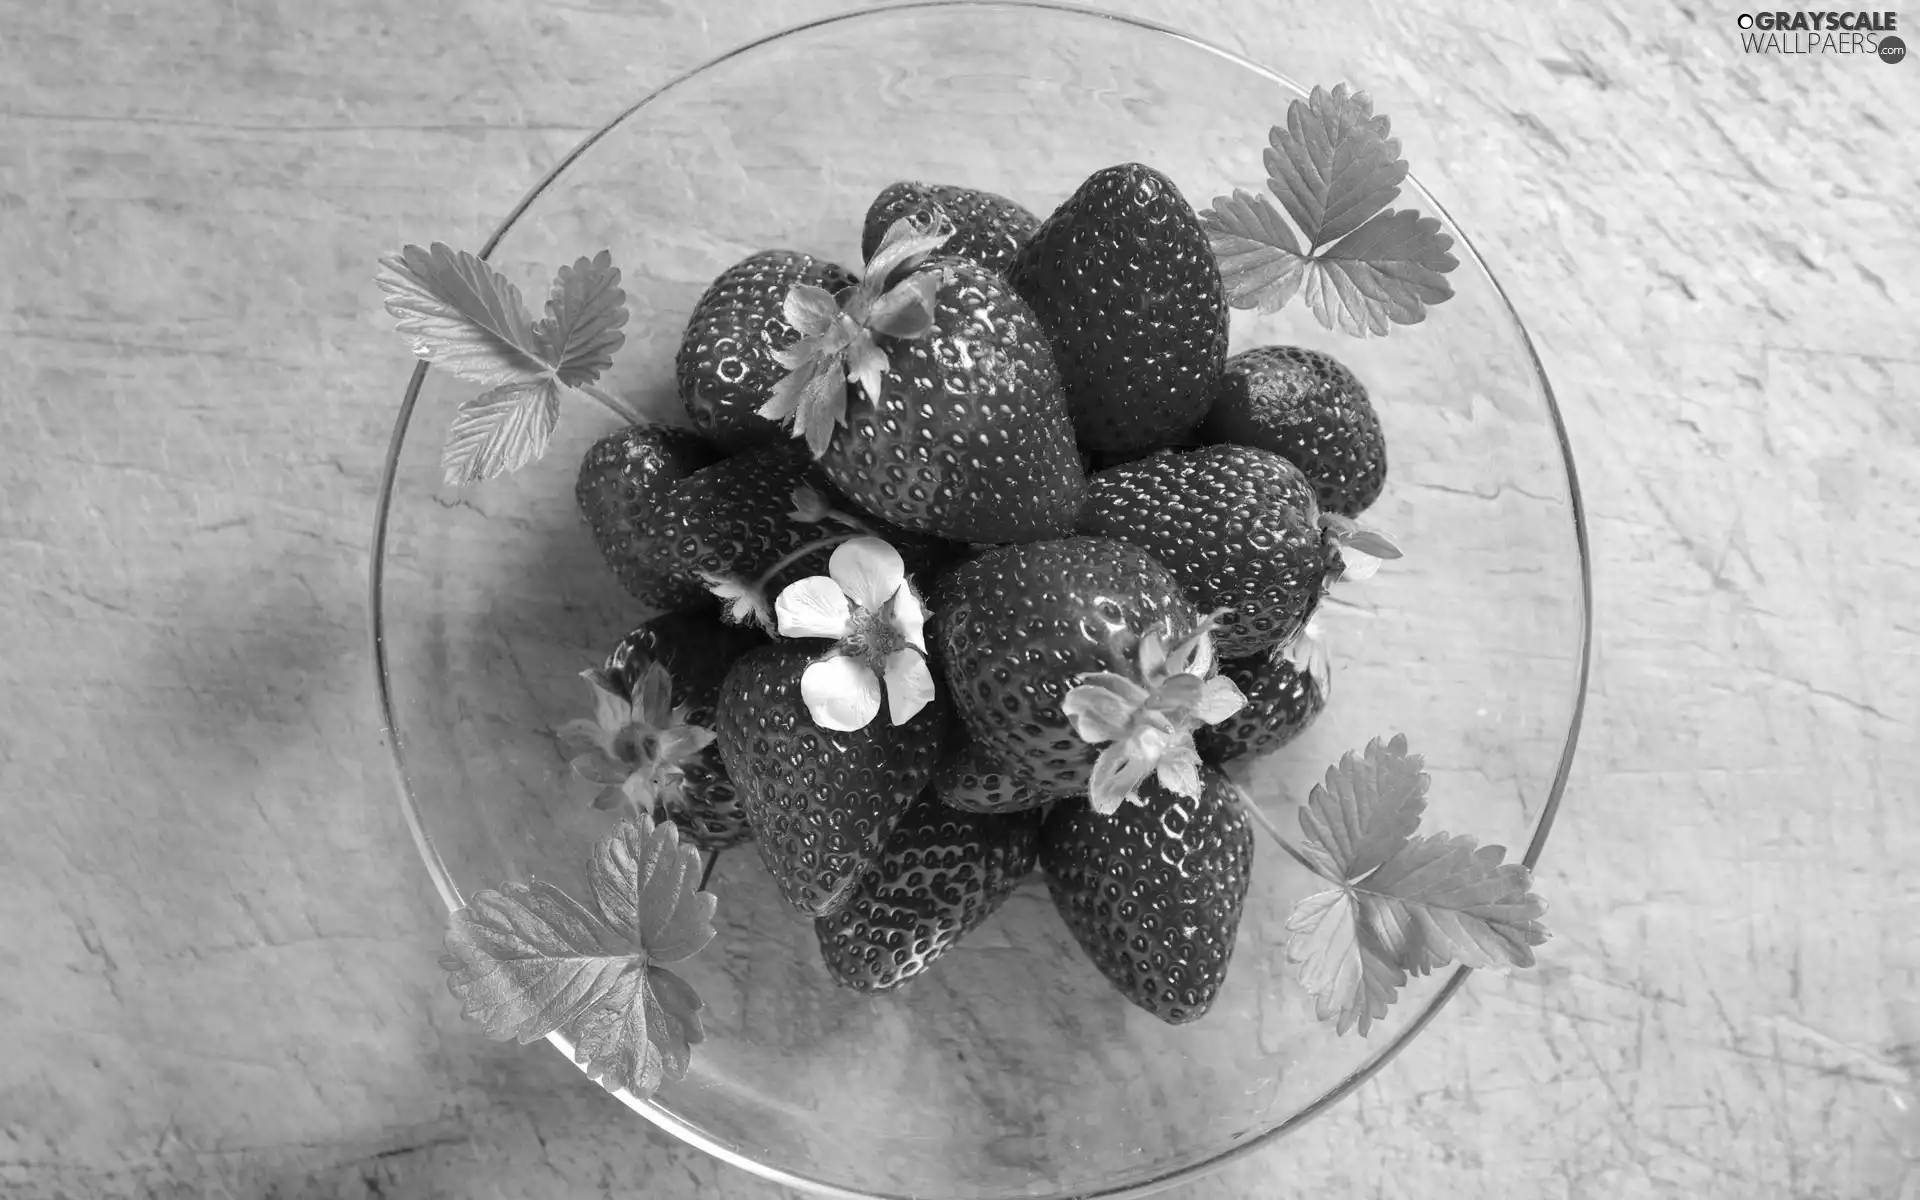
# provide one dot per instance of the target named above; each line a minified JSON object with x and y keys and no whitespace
{"x":956,"y":426}
{"x":1017,"y":628}
{"x":970,"y":438}
{"x":1153,"y":893}
{"x":821,"y":802}
{"x":1124,"y":280}
{"x":725,"y":366}
{"x":1310,"y":410}
{"x":988,"y":229}
{"x":1286,"y":688}
{"x":695,"y":652}
{"x":940,"y":876}
{"x":679,"y":525}
{"x":1238,"y":527}
{"x":970,"y":781}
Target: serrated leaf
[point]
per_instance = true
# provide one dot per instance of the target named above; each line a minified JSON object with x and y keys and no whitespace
{"x":1333,"y":164}
{"x":1259,"y":258}
{"x":1384,"y":273}
{"x":1340,"y":963}
{"x":462,"y":315}
{"x":1365,"y":811}
{"x":586,"y":309}
{"x":1457,"y":900}
{"x":500,"y":431}
{"x":531,"y":959}
{"x":527,"y":960}
{"x":646,"y":883}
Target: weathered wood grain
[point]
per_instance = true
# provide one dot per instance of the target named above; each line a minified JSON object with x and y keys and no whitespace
{"x":218,"y":950}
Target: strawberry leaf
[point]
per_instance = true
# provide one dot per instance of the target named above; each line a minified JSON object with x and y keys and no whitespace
{"x":1335,"y":169}
{"x":1386,"y":271}
{"x":462,"y":315}
{"x":1332,"y":165}
{"x":582,"y":329}
{"x":1403,"y":905}
{"x":1365,"y":811}
{"x":500,"y":431}
{"x":1342,"y":965}
{"x":1454,"y":899}
{"x":527,"y":960}
{"x":1259,"y":258}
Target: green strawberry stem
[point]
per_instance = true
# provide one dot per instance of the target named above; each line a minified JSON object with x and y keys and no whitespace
{"x":614,"y":405}
{"x":780,"y":565}
{"x":1260,"y":818}
{"x":713,"y":860}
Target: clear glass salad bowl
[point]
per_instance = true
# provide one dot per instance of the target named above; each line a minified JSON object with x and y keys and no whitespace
{"x":1012,"y":1068}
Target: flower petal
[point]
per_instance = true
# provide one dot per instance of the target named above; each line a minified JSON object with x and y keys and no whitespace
{"x":597,"y":766}
{"x":653,"y":697}
{"x":1124,"y":766}
{"x":1177,"y":693}
{"x":1179,"y":768}
{"x":581,"y":736}
{"x":1153,"y":657}
{"x":1219,"y":699}
{"x":811,"y":310}
{"x":1194,"y":654}
{"x":610,"y":708}
{"x":869,"y":570}
{"x":813,"y":607}
{"x":910,"y":617}
{"x":841,"y":693}
{"x":909,"y":685}
{"x":1098,"y":714}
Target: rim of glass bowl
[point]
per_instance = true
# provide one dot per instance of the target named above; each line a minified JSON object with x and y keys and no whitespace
{"x":443,"y":879}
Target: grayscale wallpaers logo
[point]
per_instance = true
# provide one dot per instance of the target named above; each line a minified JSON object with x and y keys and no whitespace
{"x":1869,"y":34}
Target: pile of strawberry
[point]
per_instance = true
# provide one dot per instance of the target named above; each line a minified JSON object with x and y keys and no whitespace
{"x":986,"y":558}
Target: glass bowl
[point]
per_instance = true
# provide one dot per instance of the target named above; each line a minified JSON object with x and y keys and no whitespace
{"x":1012,"y":1068}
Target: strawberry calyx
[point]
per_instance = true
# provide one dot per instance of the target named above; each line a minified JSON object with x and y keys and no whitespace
{"x":839,"y":333}
{"x":636,"y":747}
{"x":1362,"y":548}
{"x":1147,"y":723}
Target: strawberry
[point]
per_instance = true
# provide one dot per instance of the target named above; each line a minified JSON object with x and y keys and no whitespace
{"x":1310,"y":410}
{"x":970,"y":781}
{"x":940,"y":876}
{"x":1286,"y":688}
{"x":1153,"y":893}
{"x":957,"y":426}
{"x":726,"y":367}
{"x":1124,"y":280}
{"x":821,"y":802}
{"x":1238,"y":527}
{"x":1019,"y":626}
{"x":680,"y":526}
{"x":988,"y":229}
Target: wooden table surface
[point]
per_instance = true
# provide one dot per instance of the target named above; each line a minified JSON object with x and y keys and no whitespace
{"x":217,"y":951}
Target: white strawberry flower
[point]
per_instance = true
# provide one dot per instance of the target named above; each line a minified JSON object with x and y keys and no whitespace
{"x":1147,"y":723}
{"x":866,"y":606}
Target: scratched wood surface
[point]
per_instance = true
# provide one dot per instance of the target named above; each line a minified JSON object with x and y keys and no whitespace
{"x":218,"y":950}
